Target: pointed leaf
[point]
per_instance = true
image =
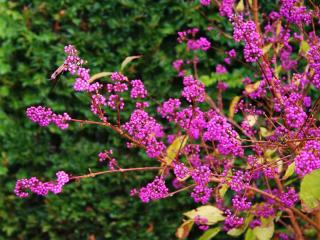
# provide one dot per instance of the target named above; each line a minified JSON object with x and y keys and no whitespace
{"x":183,"y":231}
{"x":310,"y":190}
{"x":210,"y":233}
{"x":174,"y":148}
{"x":99,"y":75}
{"x":209,"y":212}
{"x":289,"y":171}
{"x":128,"y":60}
{"x":240,"y":6}
{"x":233,"y":106}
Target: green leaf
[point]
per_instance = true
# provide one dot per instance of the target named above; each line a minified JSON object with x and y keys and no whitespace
{"x":183,"y":231}
{"x":210,"y":233}
{"x":250,"y":235}
{"x":208,"y":81}
{"x":209,"y":212}
{"x":128,"y":60}
{"x":289,"y":171}
{"x":310,"y":190}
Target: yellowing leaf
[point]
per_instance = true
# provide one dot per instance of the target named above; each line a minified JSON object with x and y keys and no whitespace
{"x":251,"y":119}
{"x":289,"y":171}
{"x":128,"y":60}
{"x":209,"y":212}
{"x":304,"y":46}
{"x":210,"y":233}
{"x":99,"y":75}
{"x":233,"y":105}
{"x":223,"y":190}
{"x":250,"y":88}
{"x":174,"y":148}
{"x":240,"y":6}
{"x":266,"y":48}
{"x":264,"y":232}
{"x":265,"y":132}
{"x":183,"y":231}
{"x":310,"y":190}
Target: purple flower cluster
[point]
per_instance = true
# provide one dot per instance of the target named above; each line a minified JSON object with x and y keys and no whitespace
{"x":220,"y":69}
{"x":294,"y":14}
{"x":308,"y":159}
{"x":314,"y":61}
{"x":201,"y":43}
{"x":205,"y":2}
{"x":239,"y":181}
{"x":226,"y":8}
{"x":194,"y":44}
{"x":240,"y":203}
{"x":168,"y":108}
{"x":145,"y":130}
{"x":232,"y":221}
{"x":201,"y":222}
{"x":180,"y":170}
{"x":97,"y":101}
{"x":44,"y":116}
{"x":40,"y":188}
{"x":138,"y":90}
{"x":154,"y":190}
{"x":201,"y":176}
{"x":219,"y":130}
{"x":247,"y":32}
{"x":193,"y":90}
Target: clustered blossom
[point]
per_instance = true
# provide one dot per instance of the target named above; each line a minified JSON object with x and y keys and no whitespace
{"x":192,"y":120}
{"x":205,"y":2}
{"x":226,"y":8}
{"x":114,"y":102}
{"x":293,"y":13}
{"x":40,"y":188}
{"x":145,"y":129}
{"x":201,"y":43}
{"x":219,"y":130}
{"x":154,"y":190}
{"x":44,"y":116}
{"x":193,"y":90}
{"x":246,"y":31}
{"x":97,"y":101}
{"x":201,"y":222}
{"x":138,"y":90}
{"x":239,"y":181}
{"x":314,"y":61}
{"x":220,"y":69}
{"x":168,"y":108}
{"x":201,"y":176}
{"x":308,"y":159}
{"x":240,"y":203}
{"x":232,"y":221}
{"x":180,"y":170}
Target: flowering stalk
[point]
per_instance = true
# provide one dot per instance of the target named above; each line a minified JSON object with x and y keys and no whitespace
{"x":258,"y":157}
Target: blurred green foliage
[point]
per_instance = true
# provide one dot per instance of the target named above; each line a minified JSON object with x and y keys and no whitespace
{"x":32,"y":35}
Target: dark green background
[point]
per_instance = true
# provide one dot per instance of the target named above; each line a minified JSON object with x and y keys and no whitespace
{"x":32,"y":37}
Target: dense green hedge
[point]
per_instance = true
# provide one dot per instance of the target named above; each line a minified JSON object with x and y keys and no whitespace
{"x":32,"y":35}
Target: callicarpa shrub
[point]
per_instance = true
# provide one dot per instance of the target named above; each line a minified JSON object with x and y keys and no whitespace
{"x":253,"y":169}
